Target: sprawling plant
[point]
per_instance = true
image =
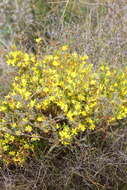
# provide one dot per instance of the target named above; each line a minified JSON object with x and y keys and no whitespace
{"x":55,"y":97}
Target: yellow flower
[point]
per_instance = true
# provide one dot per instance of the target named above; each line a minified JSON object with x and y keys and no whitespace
{"x":3,"y":108}
{"x":81,"y":127}
{"x":57,"y":126}
{"x":38,"y":40}
{"x":25,"y":119}
{"x":18,"y":105}
{"x":12,"y":153}
{"x":70,"y":115}
{"x":65,"y":136}
{"x":92,"y":127}
{"x":48,"y":58}
{"x":46,"y":89}
{"x":24,"y":82}
{"x":32,"y":103}
{"x":64,"y":48}
{"x":5,"y":148}
{"x":73,"y":74}
{"x":74,"y":131}
{"x":77,"y":106}
{"x":14,"y":125}
{"x":12,"y":105}
{"x":18,"y":133}
{"x":26,"y":58}
{"x":40,"y":118}
{"x":108,"y":73}
{"x":83,"y":113}
{"x":34,"y":78}
{"x":63,"y":106}
{"x":26,"y":146}
{"x":11,"y":138}
{"x":93,"y":82}
{"x":28,"y":128}
{"x":74,"y":55}
{"x":26,"y":95}
{"x":55,"y":63}
{"x":81,"y":97}
{"x":38,"y":106}
{"x":84,"y":58}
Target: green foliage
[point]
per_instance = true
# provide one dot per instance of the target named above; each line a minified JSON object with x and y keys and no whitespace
{"x":56,"y":97}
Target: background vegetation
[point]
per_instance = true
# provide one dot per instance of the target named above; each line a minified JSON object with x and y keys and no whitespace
{"x":97,"y":28}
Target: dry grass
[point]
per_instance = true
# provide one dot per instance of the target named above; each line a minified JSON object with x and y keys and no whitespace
{"x":97,"y":161}
{"x":82,"y":166}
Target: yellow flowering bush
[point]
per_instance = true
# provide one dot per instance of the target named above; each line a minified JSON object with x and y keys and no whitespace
{"x":53,"y":98}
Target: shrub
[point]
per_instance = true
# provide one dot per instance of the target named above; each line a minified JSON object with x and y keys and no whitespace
{"x":54,"y":98}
